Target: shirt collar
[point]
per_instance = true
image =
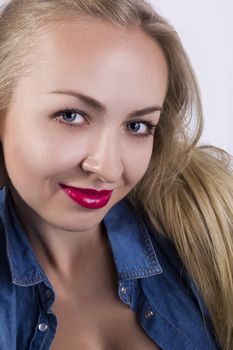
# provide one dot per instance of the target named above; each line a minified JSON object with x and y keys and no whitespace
{"x":128,"y":235}
{"x":24,"y":266}
{"x":130,"y":241}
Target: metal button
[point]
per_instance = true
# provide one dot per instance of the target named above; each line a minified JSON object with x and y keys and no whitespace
{"x":48,"y":293}
{"x":124,"y":290}
{"x":149,"y":313}
{"x":43,"y":327}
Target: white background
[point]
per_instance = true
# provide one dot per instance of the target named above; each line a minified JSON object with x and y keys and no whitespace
{"x":206,"y":30}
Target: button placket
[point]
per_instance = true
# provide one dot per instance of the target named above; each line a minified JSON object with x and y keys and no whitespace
{"x":47,"y":322}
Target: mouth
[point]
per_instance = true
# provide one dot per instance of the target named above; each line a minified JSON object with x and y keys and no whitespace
{"x":87,"y":197}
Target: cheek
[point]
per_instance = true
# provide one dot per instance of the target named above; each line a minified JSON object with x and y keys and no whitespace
{"x":35,"y":152}
{"x":137,"y":159}
{"x":28,"y":151}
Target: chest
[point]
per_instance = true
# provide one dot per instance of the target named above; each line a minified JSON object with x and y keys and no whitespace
{"x":98,"y":325}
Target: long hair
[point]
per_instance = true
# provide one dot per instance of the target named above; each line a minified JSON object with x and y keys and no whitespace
{"x":187,"y":190}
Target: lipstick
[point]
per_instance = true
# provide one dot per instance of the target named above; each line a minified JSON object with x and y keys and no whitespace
{"x":87,"y":198}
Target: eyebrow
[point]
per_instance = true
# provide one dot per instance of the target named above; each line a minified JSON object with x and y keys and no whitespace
{"x":100,"y":107}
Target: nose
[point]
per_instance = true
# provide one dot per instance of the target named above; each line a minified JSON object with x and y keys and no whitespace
{"x":105,"y":160}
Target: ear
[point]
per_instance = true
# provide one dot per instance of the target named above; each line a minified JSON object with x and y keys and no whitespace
{"x":3,"y":173}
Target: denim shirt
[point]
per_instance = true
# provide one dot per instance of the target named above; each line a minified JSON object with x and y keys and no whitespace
{"x":151,"y":281}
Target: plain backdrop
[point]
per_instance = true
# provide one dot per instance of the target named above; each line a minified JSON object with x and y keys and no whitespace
{"x":206,"y":31}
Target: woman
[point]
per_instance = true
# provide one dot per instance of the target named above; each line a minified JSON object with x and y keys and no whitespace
{"x":116,"y":229}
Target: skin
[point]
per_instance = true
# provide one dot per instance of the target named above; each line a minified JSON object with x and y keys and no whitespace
{"x":125,"y":70}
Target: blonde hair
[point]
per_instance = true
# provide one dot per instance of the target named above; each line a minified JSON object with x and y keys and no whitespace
{"x":187,"y":190}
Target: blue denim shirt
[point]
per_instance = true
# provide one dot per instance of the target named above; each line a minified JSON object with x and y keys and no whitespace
{"x":151,"y":281}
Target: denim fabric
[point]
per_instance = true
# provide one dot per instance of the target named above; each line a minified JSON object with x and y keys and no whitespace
{"x":151,"y":281}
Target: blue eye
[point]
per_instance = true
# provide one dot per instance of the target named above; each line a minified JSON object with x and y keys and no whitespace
{"x":70,"y":117}
{"x":147,"y":125}
{"x":76,"y":118}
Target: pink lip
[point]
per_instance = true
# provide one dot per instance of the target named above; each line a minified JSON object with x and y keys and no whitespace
{"x":87,"y":198}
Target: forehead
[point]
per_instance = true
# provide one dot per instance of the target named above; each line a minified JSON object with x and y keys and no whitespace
{"x":91,"y":55}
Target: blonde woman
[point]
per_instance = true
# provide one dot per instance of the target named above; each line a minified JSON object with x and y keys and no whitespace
{"x":116,"y":229}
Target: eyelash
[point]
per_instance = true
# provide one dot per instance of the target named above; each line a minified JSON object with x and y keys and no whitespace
{"x":151,"y":127}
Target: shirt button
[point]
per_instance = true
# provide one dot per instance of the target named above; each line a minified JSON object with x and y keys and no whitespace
{"x":124,"y":290}
{"x":149,"y":313}
{"x":43,"y":327}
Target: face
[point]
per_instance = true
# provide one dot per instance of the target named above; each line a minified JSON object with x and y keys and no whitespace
{"x":102,"y":145}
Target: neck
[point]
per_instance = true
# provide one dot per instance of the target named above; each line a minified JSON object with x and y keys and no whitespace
{"x":60,"y":251}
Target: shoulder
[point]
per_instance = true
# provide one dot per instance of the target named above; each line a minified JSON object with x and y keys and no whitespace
{"x":174,"y":297}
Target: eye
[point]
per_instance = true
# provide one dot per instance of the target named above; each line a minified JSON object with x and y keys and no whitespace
{"x":147,"y":129}
{"x":71,"y":117}
{"x":76,"y":118}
